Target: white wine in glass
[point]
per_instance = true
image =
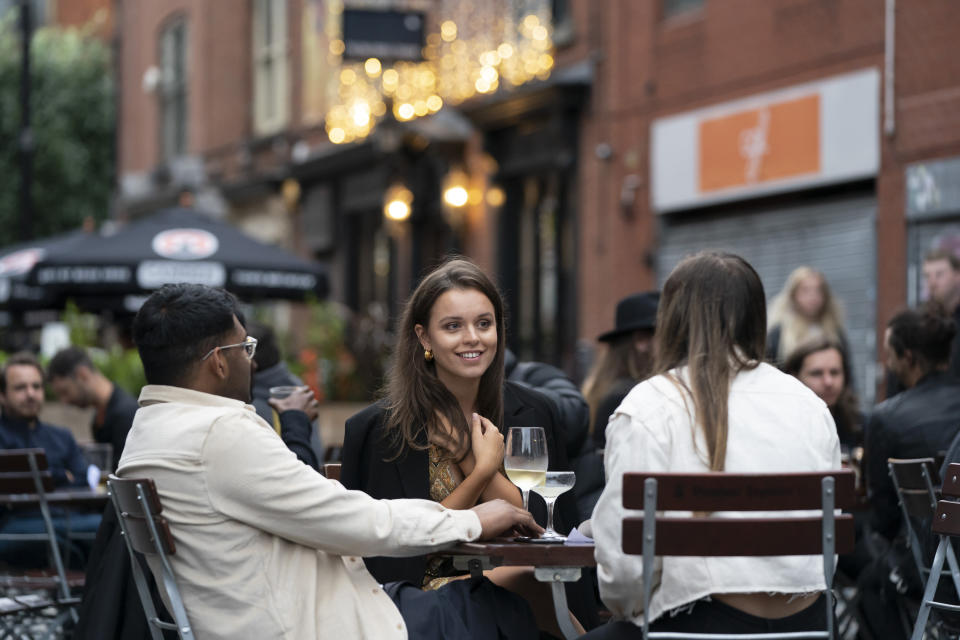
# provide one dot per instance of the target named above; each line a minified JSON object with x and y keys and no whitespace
{"x":555,"y":484}
{"x":525,"y":458}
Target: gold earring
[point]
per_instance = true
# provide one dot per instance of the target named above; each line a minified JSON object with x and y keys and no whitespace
{"x":428,"y":355}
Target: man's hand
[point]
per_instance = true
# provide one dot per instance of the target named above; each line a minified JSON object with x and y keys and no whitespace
{"x":499,"y":516}
{"x":300,"y":400}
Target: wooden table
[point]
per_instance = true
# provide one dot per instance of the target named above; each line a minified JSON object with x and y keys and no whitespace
{"x":552,"y":563}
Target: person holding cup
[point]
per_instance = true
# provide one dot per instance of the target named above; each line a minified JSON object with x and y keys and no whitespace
{"x":438,"y":432}
{"x":283,"y":400}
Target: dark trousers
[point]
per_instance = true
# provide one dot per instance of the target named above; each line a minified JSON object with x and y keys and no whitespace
{"x":710,"y":616}
{"x":463,"y":610}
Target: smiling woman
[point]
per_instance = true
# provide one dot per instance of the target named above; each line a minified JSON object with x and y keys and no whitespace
{"x":438,"y":433}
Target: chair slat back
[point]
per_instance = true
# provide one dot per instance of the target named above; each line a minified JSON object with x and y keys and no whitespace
{"x":18,"y":460}
{"x":910,"y":472}
{"x":951,"y":481}
{"x":136,"y":513}
{"x":332,"y":470}
{"x":23,"y":482}
{"x":738,"y":536}
{"x":946,"y":522}
{"x":738,"y":491}
{"x":22,"y":471}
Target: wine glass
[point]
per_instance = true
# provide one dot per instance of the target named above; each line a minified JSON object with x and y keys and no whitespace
{"x":525,"y":458}
{"x":555,"y":483}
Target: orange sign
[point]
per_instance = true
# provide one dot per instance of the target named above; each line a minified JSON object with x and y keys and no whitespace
{"x":776,"y":141}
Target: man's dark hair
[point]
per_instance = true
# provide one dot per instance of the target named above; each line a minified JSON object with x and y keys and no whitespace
{"x":178,"y":325}
{"x":66,"y":361}
{"x":927,"y":332}
{"x":268,"y":353}
{"x":21,"y":357}
{"x":943,"y":254}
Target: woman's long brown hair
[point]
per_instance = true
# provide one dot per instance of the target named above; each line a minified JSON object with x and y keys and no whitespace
{"x":414,"y":394}
{"x":713,"y":320}
{"x":621,"y":359}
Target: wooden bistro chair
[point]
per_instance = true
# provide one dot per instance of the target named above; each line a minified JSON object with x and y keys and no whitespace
{"x":146,"y":531}
{"x":656,"y":534}
{"x":24,"y":475}
{"x":332,"y":470}
{"x":946,"y":524}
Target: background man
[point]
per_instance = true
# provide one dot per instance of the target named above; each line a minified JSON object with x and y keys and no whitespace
{"x":941,"y":273}
{"x":280,"y":542}
{"x":294,"y":415}
{"x":76,"y":381}
{"x":919,"y":422}
{"x":21,"y":392}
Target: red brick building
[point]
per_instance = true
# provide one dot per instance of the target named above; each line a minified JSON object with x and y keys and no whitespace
{"x":787,"y":130}
{"x":710,"y":60}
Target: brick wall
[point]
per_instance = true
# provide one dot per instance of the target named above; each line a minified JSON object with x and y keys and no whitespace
{"x":647,"y":68}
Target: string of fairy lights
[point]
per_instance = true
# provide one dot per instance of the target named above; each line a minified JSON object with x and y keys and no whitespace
{"x":472,"y":47}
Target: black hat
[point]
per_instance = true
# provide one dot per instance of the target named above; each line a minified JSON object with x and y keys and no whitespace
{"x":635,"y":312}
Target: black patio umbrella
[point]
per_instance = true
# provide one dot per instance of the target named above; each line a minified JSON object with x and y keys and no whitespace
{"x":177,"y":245}
{"x":16,"y":262}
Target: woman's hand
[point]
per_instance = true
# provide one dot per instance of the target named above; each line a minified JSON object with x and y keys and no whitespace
{"x":486,"y":446}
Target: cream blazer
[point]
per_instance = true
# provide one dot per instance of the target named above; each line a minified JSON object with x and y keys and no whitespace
{"x":266,"y":546}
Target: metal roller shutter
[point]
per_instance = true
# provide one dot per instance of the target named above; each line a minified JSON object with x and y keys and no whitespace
{"x":836,"y":236}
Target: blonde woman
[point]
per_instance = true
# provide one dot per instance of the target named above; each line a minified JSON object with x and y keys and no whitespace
{"x":805,"y":308}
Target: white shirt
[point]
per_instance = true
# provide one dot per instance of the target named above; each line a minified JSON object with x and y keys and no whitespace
{"x":776,"y":424}
{"x":266,"y":547}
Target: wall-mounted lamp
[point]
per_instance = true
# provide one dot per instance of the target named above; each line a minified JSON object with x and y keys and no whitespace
{"x":397,"y":203}
{"x":455,"y":192}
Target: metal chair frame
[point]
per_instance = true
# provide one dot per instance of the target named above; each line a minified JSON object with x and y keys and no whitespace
{"x":149,"y":510}
{"x":946,"y":524}
{"x":930,"y":482}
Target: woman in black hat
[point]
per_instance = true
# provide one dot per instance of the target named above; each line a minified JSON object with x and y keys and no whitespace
{"x":625,"y":362}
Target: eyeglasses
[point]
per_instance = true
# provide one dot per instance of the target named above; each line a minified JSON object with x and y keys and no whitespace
{"x":249,"y":348}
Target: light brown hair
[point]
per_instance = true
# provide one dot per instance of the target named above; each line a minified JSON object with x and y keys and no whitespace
{"x":712,"y":319}
{"x":620,"y":359}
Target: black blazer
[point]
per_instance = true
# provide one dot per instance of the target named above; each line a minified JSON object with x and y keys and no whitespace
{"x":368,"y":466}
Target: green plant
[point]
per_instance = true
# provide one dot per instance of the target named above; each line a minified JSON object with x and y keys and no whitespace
{"x":122,"y":366}
{"x":342,"y":354}
{"x":73,"y":121}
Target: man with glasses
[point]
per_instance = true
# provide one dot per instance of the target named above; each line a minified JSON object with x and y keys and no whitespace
{"x":267,"y":547}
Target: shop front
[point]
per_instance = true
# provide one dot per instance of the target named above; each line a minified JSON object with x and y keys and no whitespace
{"x":785,"y":178}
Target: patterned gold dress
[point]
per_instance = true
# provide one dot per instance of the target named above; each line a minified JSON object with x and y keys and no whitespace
{"x":445,"y":476}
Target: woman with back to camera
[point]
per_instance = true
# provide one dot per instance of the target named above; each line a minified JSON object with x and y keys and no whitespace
{"x":435,"y":434}
{"x":712,"y":404}
{"x":804,"y":309}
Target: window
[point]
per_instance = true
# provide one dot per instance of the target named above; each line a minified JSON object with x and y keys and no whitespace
{"x":673,"y":8}
{"x":562,"y":22}
{"x":270,"y":110}
{"x":173,"y":90}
